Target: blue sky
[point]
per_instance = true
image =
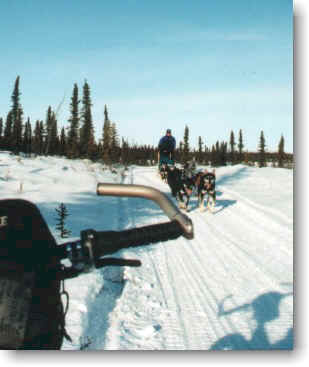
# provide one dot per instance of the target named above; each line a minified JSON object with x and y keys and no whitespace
{"x":215,"y":66}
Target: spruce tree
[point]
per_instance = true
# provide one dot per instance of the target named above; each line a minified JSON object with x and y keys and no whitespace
{"x":60,"y":226}
{"x":217,"y":154}
{"x":17,"y":113}
{"x":27,"y":139}
{"x":8,"y":132}
{"x":240,"y":147}
{"x":213,"y":157}
{"x":281,"y":154}
{"x":262,"y":155}
{"x":100,"y":150}
{"x":106,"y":137}
{"x":43,"y":134}
{"x":38,"y":138}
{"x":87,"y":142}
{"x":73,"y":134}
{"x":54,"y":138}
{"x":223,"y":154}
{"x":124,"y":152}
{"x":130,"y":153}
{"x":232,"y":147}
{"x":114,"y":151}
{"x":186,"y":148}
{"x":63,"y":143}
{"x":51,"y":133}
{"x":48,"y":131}
{"x":200,"y":150}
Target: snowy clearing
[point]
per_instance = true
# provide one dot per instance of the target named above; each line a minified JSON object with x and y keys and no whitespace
{"x":228,"y":288}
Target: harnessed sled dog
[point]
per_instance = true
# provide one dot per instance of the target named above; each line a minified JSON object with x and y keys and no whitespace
{"x":163,"y":171}
{"x":181,"y":185}
{"x":206,"y":189}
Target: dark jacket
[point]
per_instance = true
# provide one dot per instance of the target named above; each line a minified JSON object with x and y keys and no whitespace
{"x":167,"y":144}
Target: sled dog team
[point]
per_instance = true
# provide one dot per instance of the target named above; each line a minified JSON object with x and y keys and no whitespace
{"x":183,"y":181}
{"x":184,"y":184}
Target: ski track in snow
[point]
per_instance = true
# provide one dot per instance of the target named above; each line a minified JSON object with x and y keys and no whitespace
{"x":215,"y":252}
{"x":228,"y":288}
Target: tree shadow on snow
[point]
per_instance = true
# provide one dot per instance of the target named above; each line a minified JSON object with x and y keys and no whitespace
{"x":220,"y":204}
{"x":265,"y":309}
{"x":223,"y":204}
{"x":235,"y":176}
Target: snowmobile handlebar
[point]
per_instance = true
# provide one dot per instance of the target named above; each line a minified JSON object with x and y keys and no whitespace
{"x":147,"y":192}
{"x":88,"y":252}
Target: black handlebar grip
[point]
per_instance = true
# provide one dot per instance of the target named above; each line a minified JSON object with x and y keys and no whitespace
{"x":108,"y":242}
{"x":110,"y":261}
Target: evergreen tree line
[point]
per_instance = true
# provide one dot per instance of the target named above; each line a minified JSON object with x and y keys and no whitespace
{"x":77,"y":139}
{"x":232,"y":152}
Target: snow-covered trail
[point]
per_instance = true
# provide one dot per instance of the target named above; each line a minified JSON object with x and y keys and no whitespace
{"x":229,"y":288}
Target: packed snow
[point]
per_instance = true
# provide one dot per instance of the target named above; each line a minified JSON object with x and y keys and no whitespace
{"x":231,"y":287}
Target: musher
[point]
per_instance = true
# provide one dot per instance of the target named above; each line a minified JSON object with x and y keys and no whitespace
{"x":167,"y":145}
